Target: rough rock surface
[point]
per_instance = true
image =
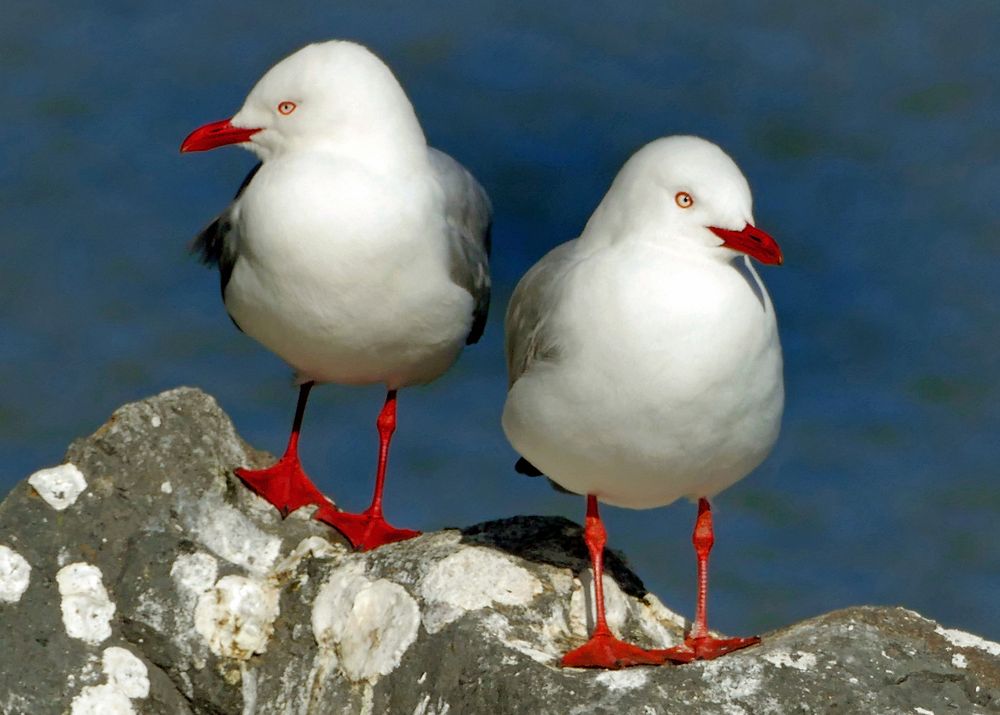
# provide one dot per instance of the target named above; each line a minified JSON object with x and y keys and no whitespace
{"x":164,"y":586}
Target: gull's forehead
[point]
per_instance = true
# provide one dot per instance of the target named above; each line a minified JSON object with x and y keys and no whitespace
{"x":693,"y":161}
{"x":312,"y":68}
{"x":295,"y":73}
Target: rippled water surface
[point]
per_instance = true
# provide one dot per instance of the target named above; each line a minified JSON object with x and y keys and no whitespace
{"x":869,"y":134}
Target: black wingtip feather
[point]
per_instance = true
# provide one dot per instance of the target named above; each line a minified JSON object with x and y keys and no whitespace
{"x":525,"y":467}
{"x":210,"y":245}
{"x":207,"y":245}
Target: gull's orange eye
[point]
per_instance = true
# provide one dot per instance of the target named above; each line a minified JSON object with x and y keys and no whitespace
{"x":286,"y":107}
{"x":684,"y":200}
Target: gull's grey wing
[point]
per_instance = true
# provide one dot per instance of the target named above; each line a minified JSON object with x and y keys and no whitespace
{"x":527,"y":334}
{"x":218,"y":243}
{"x":470,"y":218}
{"x":528,"y":337}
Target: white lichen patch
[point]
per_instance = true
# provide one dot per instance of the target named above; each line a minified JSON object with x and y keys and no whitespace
{"x":86,"y":608}
{"x":310,"y":547}
{"x":471,"y":579}
{"x":367,"y":624}
{"x":167,"y":488}
{"x":797,"y":660}
{"x":623,"y":679}
{"x":231,"y":535}
{"x":15,"y":575}
{"x":548,"y":626}
{"x":101,"y":700}
{"x":661,"y":613}
{"x":536,"y":654}
{"x":90,"y":673}
{"x":962,"y":639}
{"x":582,"y":607}
{"x":497,"y":625}
{"x":731,"y":679}
{"x":561,"y":581}
{"x":193,"y":574}
{"x":959,"y":661}
{"x":126,"y":672}
{"x":151,"y":611}
{"x":248,"y":689}
{"x":426,"y":707}
{"x":59,"y":486}
{"x":236,"y":616}
{"x":663,"y":626}
{"x":17,"y":703}
{"x":126,"y":679}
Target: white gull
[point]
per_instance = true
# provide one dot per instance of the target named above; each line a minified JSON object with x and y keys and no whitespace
{"x":354,"y":251}
{"x":644,"y":359}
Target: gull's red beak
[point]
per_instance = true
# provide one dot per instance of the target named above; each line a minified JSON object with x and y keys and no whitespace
{"x":215,"y":135}
{"x":751,"y":241}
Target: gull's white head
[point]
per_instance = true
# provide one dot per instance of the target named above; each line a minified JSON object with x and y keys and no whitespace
{"x":334,"y":93}
{"x":686,"y":191}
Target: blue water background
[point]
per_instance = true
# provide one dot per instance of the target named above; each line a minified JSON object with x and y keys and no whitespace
{"x":869,"y":133}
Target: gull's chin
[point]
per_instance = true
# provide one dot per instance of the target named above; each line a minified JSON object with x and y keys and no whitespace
{"x":260,"y":150}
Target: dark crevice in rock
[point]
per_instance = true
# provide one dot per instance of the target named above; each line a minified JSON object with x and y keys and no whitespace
{"x":553,"y":541}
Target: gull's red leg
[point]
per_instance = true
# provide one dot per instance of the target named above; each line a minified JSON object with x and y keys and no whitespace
{"x":603,"y":650}
{"x":284,"y":484}
{"x":699,"y":645}
{"x":369,"y":529}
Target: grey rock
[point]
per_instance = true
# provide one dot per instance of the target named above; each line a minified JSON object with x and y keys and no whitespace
{"x":229,"y":609}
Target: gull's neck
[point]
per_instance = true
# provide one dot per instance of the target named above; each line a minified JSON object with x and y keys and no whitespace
{"x":374,"y":149}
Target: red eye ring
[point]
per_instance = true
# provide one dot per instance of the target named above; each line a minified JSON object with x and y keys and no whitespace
{"x":684,"y":199}
{"x":287,"y":107}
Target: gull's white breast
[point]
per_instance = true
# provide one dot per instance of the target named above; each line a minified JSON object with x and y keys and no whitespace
{"x":666,"y":381}
{"x":342,"y":271}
